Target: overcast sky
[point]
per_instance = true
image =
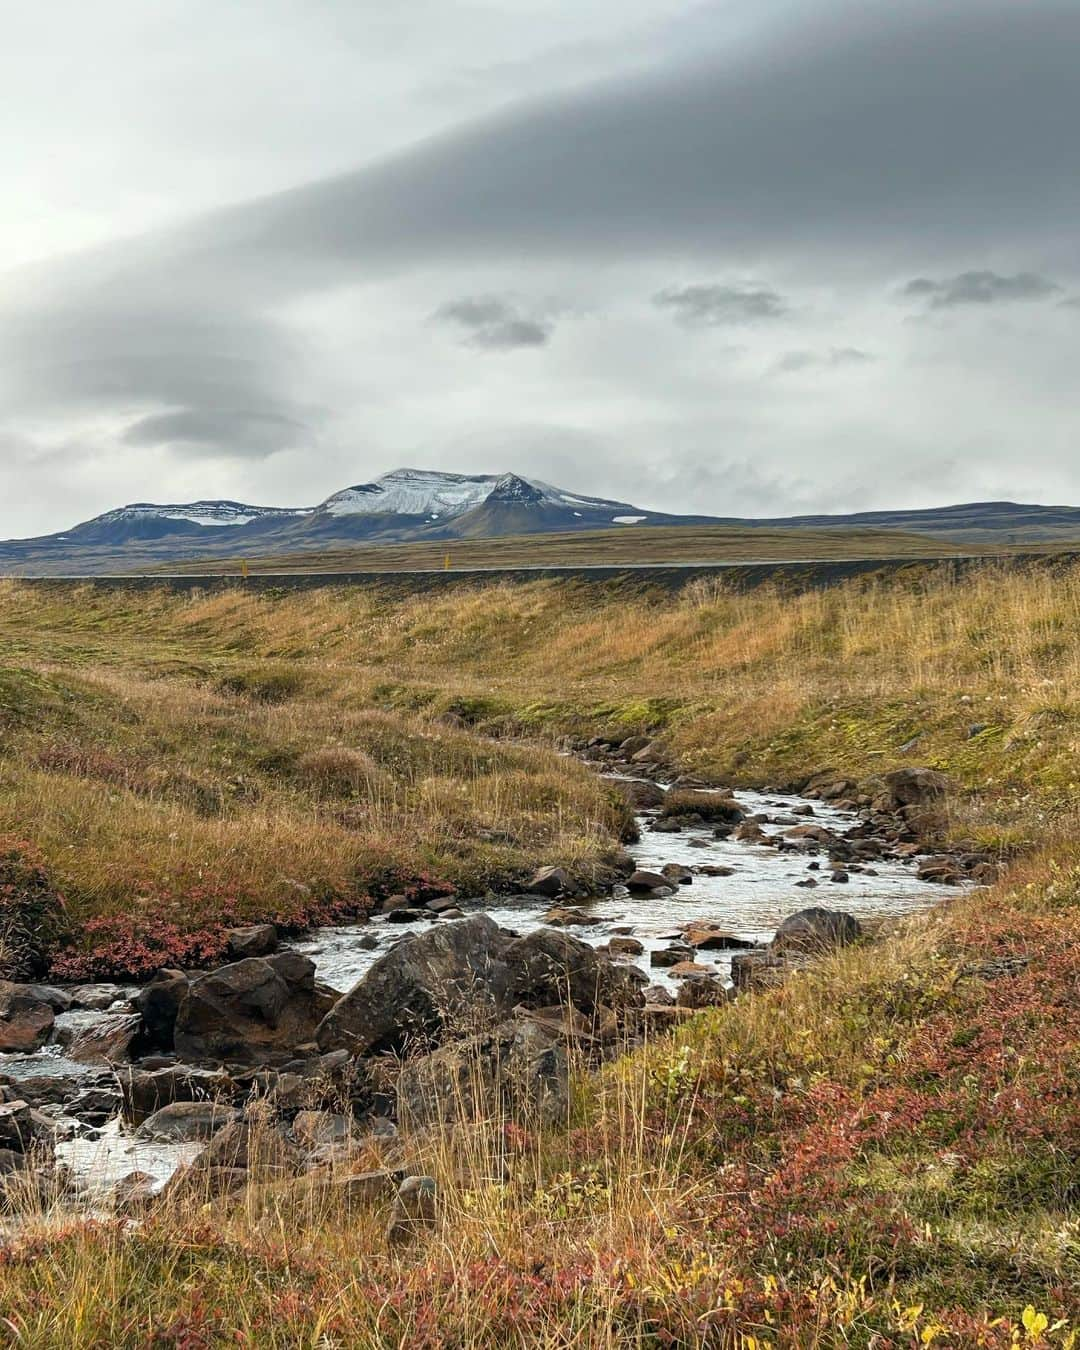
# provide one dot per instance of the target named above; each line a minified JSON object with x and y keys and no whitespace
{"x":748,"y":257}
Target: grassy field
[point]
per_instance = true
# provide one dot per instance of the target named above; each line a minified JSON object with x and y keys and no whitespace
{"x":626,"y":546}
{"x":882,"y":1153}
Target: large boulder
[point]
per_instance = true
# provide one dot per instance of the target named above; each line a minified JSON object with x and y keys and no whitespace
{"x":159,"y":1002}
{"x":911,"y":787}
{"x":551,"y":967}
{"x":520,"y":1069}
{"x":461,"y":978}
{"x":26,"y":1019}
{"x":816,"y":929}
{"x":423,"y":983}
{"x":146,"y":1091}
{"x":250,"y":1012}
{"x":107,"y":1041}
{"x":257,"y":939}
{"x":184,"y":1122}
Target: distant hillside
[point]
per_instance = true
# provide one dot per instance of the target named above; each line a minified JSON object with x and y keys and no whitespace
{"x":419,"y":507}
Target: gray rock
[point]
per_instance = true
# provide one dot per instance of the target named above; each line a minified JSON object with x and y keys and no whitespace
{"x":183,"y":1122}
{"x":26,"y":1019}
{"x":249,"y":1011}
{"x":257,"y":939}
{"x":107,"y":1042}
{"x":414,"y":1210}
{"x":816,"y":929}
{"x":549,"y":881}
{"x":159,"y":1002}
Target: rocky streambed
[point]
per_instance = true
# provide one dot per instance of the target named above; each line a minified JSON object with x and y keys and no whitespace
{"x":322,"y":1045}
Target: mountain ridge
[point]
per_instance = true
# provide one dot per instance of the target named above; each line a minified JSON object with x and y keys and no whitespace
{"x":418,"y":505}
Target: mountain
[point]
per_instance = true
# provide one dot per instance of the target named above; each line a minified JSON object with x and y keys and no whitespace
{"x":403,"y":505}
{"x":422,"y":504}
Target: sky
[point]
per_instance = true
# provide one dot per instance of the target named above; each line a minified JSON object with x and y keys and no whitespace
{"x":749,"y":257}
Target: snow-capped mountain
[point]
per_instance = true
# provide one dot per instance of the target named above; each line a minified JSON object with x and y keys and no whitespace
{"x":431,"y":495}
{"x":402,"y":505}
{"x":220,"y":513}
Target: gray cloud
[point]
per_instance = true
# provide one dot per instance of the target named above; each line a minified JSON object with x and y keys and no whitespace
{"x":494,"y":324}
{"x":712,"y":306}
{"x":829,"y":144}
{"x":980,"y":288}
{"x":792,"y":362}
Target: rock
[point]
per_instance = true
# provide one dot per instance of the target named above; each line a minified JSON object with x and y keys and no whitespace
{"x":548,"y":967}
{"x":640,"y":793}
{"x":707,"y":805}
{"x":687,"y":970}
{"x":419,"y":985}
{"x":911,"y":787}
{"x":16,"y":1128}
{"x":443,"y":904}
{"x":361,"y":1190}
{"x":249,"y":1011}
{"x":677,"y":874}
{"x":22,"y":1126}
{"x":59,"y":1000}
{"x":563,"y":917}
{"x":633,"y":744}
{"x":159,"y":1002}
{"x":818,"y":833}
{"x":710,"y":937}
{"x":671,"y":956}
{"x":183,"y":1122}
{"x":313,"y":1129}
{"x":750,"y":832}
{"x":459,"y":978}
{"x":393,"y":902}
{"x":144,"y":1092}
{"x":97,"y":997}
{"x":643,"y":880}
{"x":625,"y":946}
{"x":407,"y":914}
{"x":758,"y":970}
{"x":26,"y":1020}
{"x":133,"y":1194}
{"x":701,"y":992}
{"x":654,"y":752}
{"x":943,"y":871}
{"x":257,"y":939}
{"x":521,"y":1069}
{"x":453,"y":913}
{"x":414,"y":1210}
{"x":839,"y":877}
{"x":806,"y":881}
{"x":106,"y":1042}
{"x":201,"y":1182}
{"x":816,"y":929}
{"x":549,"y":881}
{"x":253,"y":1147}
{"x":656,"y":996}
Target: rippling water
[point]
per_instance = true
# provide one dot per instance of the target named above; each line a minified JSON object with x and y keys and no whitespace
{"x":751,"y":902}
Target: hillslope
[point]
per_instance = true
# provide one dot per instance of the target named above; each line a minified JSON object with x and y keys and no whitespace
{"x":631,"y":545}
{"x":884,"y":1152}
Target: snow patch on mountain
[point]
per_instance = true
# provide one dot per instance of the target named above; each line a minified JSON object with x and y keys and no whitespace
{"x":208,"y":513}
{"x":427,"y":492}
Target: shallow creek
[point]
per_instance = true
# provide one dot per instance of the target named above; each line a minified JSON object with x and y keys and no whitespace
{"x":757,"y":890}
{"x":750,"y":902}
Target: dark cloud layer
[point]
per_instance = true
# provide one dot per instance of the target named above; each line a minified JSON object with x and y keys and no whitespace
{"x":712,"y":306}
{"x":495,"y":324}
{"x":847,"y":145}
{"x":980,"y":288}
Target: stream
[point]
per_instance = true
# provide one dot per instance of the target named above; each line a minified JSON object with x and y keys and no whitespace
{"x":752,"y":889}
